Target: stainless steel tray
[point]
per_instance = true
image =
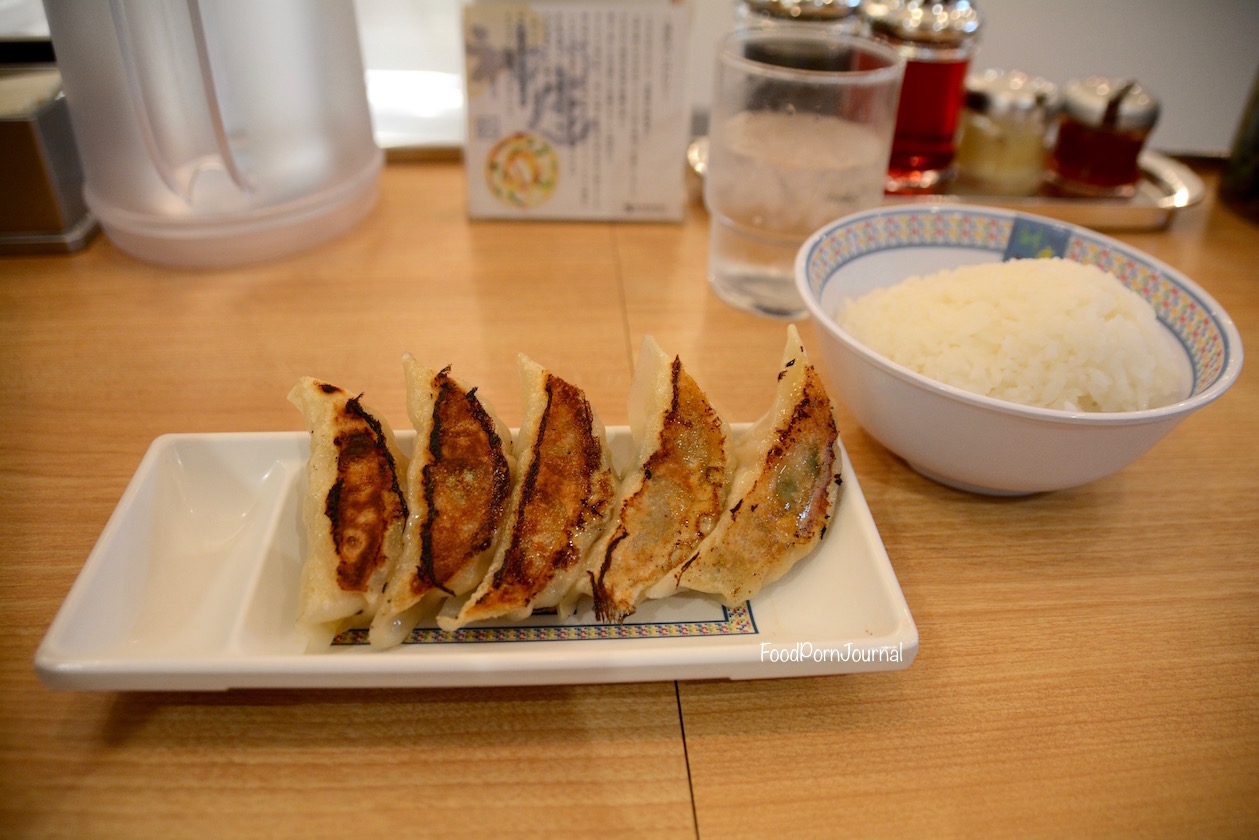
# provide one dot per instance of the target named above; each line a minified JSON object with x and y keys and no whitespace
{"x":1166,"y":186}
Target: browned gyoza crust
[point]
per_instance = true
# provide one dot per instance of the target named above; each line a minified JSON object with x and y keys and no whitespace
{"x":785,"y":511}
{"x":564,"y":489}
{"x":465,"y":487}
{"x":365,"y":502}
{"x":676,"y":506}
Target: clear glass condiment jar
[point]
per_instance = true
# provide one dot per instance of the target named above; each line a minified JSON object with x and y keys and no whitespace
{"x":1101,"y":132}
{"x":839,"y":17}
{"x":1001,"y":141}
{"x":937,"y":40}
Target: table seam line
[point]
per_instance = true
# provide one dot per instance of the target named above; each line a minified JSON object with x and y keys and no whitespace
{"x":620,"y":290}
{"x":686,"y":757}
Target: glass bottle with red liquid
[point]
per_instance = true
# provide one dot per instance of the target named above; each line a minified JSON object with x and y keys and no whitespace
{"x":937,"y":40}
{"x":1102,"y":129}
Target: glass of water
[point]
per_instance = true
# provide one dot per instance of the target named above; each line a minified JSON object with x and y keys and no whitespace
{"x":800,"y":134}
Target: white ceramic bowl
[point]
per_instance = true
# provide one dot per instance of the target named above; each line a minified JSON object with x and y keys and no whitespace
{"x":974,"y":442}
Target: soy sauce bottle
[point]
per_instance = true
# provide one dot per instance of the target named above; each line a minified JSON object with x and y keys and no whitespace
{"x":937,"y":40}
{"x":836,"y":17}
{"x":788,"y":17}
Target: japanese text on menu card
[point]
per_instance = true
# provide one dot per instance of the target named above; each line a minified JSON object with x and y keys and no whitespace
{"x":576,"y":110}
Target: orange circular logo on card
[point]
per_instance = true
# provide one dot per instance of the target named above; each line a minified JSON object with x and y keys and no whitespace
{"x":522,"y":170}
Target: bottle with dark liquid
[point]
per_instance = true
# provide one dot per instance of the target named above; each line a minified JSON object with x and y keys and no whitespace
{"x":937,"y":40}
{"x":1101,"y":132}
{"x":835,"y":17}
{"x":1239,"y":182}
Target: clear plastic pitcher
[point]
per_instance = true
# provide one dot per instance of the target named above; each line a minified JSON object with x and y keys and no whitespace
{"x":217,"y":133}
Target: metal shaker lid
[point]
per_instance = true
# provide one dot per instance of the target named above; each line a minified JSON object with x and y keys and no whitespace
{"x":999,"y":93}
{"x":804,"y":10}
{"x":1119,"y":104}
{"x":942,"y":22}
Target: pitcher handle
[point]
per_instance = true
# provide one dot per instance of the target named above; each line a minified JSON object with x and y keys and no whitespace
{"x":177,"y":101}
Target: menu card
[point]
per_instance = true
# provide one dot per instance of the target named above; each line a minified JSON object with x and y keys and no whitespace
{"x":576,"y":110}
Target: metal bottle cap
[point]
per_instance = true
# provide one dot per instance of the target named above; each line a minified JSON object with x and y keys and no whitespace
{"x":998,"y":93}
{"x":942,"y":23}
{"x":1118,"y":104}
{"x":804,"y":10}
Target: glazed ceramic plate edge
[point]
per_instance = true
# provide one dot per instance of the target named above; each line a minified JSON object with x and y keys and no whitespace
{"x":192,"y":586}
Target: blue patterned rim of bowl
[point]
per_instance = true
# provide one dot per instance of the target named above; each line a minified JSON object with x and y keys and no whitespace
{"x":1184,"y":308}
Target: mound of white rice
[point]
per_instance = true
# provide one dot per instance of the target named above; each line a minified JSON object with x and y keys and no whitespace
{"x":1042,"y":332}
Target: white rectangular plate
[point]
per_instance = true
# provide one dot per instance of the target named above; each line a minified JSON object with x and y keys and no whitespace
{"x":193,"y":585}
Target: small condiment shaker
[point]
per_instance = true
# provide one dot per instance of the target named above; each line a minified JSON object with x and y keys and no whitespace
{"x":937,"y":40}
{"x":1001,"y":142}
{"x":836,"y":17}
{"x":1101,"y":132}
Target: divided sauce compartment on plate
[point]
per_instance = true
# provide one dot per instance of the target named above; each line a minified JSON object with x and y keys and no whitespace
{"x":193,"y":584}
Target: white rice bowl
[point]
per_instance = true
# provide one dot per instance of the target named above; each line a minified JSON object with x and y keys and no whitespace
{"x":1043,"y":332}
{"x":1037,"y":405}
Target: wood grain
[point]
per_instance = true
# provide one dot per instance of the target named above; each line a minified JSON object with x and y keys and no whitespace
{"x":1089,"y":660}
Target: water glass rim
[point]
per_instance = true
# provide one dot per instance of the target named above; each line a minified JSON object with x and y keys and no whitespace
{"x":729,"y":51}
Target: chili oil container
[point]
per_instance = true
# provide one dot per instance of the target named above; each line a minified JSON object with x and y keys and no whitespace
{"x":1101,"y":132}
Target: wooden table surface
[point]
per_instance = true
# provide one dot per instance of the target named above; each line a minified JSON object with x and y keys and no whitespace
{"x":1089,"y":660}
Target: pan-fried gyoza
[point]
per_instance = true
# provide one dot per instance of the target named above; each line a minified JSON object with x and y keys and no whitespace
{"x":354,"y":512}
{"x":485,"y":530}
{"x":456,"y":491}
{"x":560,"y":501}
{"x":673,"y":493}
{"x":785,"y":489}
